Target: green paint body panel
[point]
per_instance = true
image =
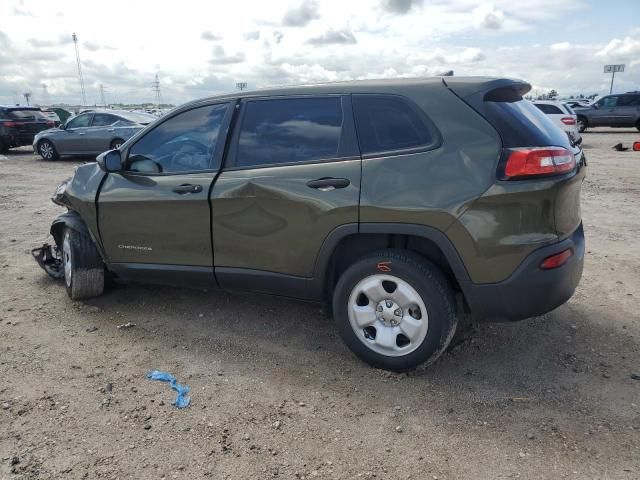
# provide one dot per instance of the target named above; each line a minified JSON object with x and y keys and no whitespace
{"x":269,"y":219}
{"x":143,"y":221}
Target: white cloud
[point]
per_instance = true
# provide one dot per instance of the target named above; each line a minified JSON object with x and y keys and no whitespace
{"x":292,"y":41}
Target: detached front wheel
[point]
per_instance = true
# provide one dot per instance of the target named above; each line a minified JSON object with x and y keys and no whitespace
{"x":395,"y":310}
{"x":83,"y":267}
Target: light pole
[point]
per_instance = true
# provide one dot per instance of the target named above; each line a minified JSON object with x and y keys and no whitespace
{"x":241,"y":85}
{"x":27,"y":96}
{"x":612,"y":69}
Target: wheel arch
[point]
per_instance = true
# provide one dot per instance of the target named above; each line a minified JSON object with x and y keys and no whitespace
{"x":74,"y":221}
{"x":346,"y":244}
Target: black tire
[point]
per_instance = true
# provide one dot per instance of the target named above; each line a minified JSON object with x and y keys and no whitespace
{"x":423,"y":277}
{"x":582,"y":123}
{"x":47,"y":150}
{"x":4,"y":147}
{"x":115,"y":143}
{"x":85,"y":276}
{"x":638,"y":125}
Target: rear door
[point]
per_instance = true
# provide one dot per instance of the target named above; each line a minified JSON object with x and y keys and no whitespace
{"x":100,"y":133}
{"x":73,"y":139}
{"x":292,"y":177}
{"x":627,"y":111}
{"x":154,"y":217}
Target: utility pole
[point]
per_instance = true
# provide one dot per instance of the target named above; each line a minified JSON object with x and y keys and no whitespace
{"x":102,"y":99}
{"x":45,"y":94}
{"x":74,"y":37}
{"x":27,"y":96}
{"x":156,"y":88}
{"x":241,"y":85}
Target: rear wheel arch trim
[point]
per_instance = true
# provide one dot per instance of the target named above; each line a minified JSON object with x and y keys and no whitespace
{"x":328,"y":248}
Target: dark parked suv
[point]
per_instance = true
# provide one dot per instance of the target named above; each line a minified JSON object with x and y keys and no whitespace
{"x":401,"y":203}
{"x":611,"y":111}
{"x":18,"y":126}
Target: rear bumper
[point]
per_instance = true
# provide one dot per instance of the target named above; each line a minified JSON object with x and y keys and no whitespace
{"x":530,"y":291}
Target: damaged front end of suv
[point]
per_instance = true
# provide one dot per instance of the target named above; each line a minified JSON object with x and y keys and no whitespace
{"x":49,"y":256}
{"x":77,"y":194}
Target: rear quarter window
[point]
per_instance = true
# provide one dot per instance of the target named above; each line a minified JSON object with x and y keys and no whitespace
{"x":388,"y":123}
{"x":26,"y":115}
{"x":548,"y":109}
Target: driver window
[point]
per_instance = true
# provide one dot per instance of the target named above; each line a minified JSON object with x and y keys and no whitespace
{"x":79,"y":121}
{"x":185,"y":142}
{"x":608,"y":102}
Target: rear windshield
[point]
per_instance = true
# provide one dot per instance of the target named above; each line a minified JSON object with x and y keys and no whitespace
{"x":26,"y":114}
{"x":142,"y":118}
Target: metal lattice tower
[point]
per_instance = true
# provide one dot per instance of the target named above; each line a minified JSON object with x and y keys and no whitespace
{"x":102,"y":98}
{"x":45,"y":94}
{"x":75,"y":42}
{"x":156,"y":88}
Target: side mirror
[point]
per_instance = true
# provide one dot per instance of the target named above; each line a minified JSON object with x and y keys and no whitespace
{"x":110,"y":161}
{"x":594,"y":106}
{"x":62,"y":126}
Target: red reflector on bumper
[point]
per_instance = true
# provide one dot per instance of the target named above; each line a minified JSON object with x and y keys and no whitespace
{"x":636,"y":146}
{"x":557,"y":260}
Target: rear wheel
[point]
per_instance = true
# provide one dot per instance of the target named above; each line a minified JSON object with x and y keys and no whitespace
{"x":395,"y":310}
{"x":4,"y":146}
{"x":47,"y":150}
{"x":638,"y":125}
{"x":83,"y":267}
{"x":582,"y":124}
{"x":116,"y":143}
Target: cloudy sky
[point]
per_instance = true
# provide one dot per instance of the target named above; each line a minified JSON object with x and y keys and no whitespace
{"x":202,"y":48}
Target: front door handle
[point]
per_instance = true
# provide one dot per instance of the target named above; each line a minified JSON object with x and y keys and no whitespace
{"x":187,"y":188}
{"x":82,"y":133}
{"x":327,"y":184}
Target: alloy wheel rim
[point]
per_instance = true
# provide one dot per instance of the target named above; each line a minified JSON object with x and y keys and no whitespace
{"x":66,"y":259}
{"x":388,"y":315}
{"x":46,"y":150}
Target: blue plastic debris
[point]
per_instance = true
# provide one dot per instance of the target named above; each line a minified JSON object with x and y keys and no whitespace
{"x":182,"y":400}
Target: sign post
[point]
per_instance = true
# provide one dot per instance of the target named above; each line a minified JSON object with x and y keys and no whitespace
{"x":613,"y":69}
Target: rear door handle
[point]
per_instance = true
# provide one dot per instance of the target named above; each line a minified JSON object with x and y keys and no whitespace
{"x":187,"y":188}
{"x":326,"y":184}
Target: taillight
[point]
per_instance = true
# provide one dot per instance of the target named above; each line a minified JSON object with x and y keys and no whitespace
{"x":537,"y":161}
{"x":557,"y":260}
{"x":568,"y":120}
{"x":636,"y":146}
{"x":9,"y":124}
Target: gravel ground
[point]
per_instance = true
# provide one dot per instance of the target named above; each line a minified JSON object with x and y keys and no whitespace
{"x":275,"y":393}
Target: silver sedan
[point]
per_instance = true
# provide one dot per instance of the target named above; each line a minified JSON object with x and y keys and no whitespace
{"x":90,"y":133}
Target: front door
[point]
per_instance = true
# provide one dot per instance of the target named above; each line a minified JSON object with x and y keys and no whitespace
{"x":154,"y":217}
{"x":604,"y":114}
{"x":627,"y":111}
{"x":292,"y":177}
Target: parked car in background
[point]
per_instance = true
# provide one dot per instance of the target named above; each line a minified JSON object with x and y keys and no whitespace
{"x":579,"y":102}
{"x":90,"y":133}
{"x":563,"y":116}
{"x":619,"y":111}
{"x":51,"y":115}
{"x":19,"y":125}
{"x":392,"y":200}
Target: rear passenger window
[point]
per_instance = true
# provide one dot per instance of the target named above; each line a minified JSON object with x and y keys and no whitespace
{"x":289,"y":130}
{"x":386,"y":123}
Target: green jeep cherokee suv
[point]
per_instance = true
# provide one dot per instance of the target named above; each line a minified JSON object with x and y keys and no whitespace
{"x":401,"y":203}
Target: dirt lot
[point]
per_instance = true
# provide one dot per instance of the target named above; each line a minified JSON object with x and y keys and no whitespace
{"x":275,"y":393}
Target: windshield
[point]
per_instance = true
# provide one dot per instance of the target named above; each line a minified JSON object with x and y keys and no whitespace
{"x":26,"y":114}
{"x":142,"y":118}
